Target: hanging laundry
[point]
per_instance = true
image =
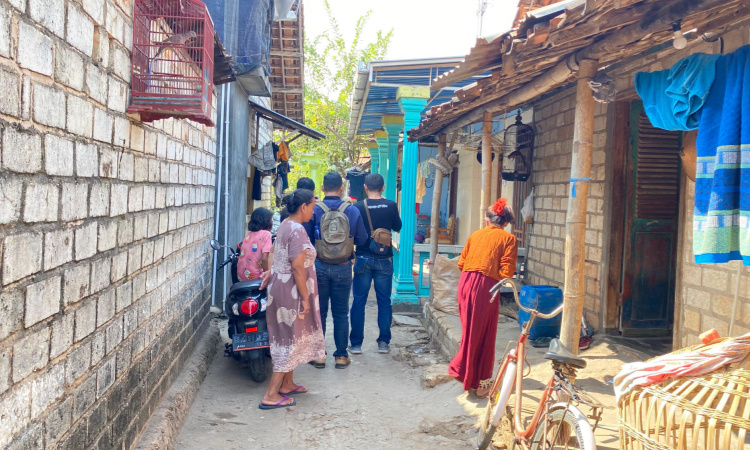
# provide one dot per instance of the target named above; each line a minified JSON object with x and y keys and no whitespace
{"x":283,"y":171}
{"x":721,"y":221}
{"x":257,"y":184}
{"x":673,"y":98}
{"x":284,"y":154}
{"x":421,"y":179}
{"x":356,"y":179}
{"x":263,"y":158}
{"x":278,"y":189}
{"x":425,"y":169}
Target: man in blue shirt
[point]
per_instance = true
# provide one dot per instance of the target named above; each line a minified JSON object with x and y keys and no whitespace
{"x":335,"y":280}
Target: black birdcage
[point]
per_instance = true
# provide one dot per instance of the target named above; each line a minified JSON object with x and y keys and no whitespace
{"x":519,"y":145}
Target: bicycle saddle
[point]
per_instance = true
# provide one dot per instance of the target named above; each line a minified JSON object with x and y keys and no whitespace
{"x":560,"y":354}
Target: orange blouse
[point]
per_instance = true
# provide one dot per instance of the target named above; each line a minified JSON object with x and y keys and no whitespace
{"x":491,"y":251}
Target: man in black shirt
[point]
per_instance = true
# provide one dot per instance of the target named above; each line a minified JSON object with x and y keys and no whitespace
{"x":369,"y":268}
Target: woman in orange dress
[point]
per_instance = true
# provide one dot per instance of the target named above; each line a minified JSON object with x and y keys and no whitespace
{"x":489,"y":256}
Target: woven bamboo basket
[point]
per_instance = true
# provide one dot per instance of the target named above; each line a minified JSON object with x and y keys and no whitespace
{"x":707,"y":412}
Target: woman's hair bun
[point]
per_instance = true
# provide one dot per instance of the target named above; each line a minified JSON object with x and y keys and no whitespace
{"x":300,"y":197}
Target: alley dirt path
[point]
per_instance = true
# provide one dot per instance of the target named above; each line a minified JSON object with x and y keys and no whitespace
{"x":375,"y":403}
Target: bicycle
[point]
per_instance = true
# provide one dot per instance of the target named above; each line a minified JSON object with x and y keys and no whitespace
{"x":557,"y":420}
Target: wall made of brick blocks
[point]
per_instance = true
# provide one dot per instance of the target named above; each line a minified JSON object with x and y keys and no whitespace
{"x":104,"y":222}
{"x":706,"y":291}
{"x":553,"y":123}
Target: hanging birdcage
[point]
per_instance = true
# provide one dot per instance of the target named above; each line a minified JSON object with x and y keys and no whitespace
{"x":519,"y":144}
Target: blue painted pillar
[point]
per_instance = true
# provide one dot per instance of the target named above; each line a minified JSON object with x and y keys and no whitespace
{"x":412,"y":100}
{"x":372,"y":147}
{"x":381,"y":138}
{"x":393,"y":124}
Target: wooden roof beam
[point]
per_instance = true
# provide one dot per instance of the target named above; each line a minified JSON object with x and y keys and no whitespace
{"x":561,"y":72}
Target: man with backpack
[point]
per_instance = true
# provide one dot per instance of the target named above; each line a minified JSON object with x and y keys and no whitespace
{"x":336,"y":227}
{"x":374,"y":263}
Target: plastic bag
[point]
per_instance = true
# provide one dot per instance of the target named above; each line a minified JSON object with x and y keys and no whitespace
{"x":527,"y":212}
{"x":444,"y":289}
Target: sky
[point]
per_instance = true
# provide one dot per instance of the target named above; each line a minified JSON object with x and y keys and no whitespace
{"x":421,"y":28}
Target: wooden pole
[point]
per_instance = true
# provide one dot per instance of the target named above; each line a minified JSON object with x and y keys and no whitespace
{"x":575,"y":230}
{"x":437,"y":189}
{"x":486,"y":166}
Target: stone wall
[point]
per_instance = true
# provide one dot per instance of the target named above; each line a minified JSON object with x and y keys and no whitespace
{"x":103,"y":228}
{"x":553,"y":124}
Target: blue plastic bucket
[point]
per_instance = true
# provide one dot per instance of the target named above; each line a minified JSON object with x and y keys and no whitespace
{"x":544,"y":299}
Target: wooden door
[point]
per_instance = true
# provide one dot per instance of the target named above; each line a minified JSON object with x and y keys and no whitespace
{"x":650,"y":248}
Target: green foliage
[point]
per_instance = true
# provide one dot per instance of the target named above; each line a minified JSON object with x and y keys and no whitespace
{"x":330,"y":68}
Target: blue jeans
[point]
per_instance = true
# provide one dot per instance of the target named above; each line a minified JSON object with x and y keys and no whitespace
{"x":334,"y":285}
{"x":379,"y":271}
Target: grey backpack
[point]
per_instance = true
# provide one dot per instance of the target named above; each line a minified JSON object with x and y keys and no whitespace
{"x":335,"y":245}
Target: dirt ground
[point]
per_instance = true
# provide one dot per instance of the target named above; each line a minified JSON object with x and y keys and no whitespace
{"x":376,"y":402}
{"x":379,"y":401}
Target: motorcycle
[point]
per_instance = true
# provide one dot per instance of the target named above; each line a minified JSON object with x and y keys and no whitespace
{"x":245,"y":307}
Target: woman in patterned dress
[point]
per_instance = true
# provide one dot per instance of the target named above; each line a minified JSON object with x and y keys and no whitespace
{"x":293,"y":314}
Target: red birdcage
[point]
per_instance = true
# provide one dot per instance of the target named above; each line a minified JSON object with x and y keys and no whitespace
{"x":173,"y":67}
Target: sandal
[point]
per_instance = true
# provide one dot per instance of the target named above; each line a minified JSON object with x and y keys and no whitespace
{"x":484,"y":384}
{"x":298,"y":390}
{"x":584,"y":342}
{"x":279,"y":404}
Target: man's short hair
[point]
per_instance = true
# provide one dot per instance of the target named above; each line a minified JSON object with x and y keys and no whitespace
{"x":306,"y":183}
{"x":332,"y":182}
{"x":374,"y":182}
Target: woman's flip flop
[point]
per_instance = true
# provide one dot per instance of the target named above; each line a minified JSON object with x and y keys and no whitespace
{"x":297,"y":390}
{"x":279,"y":404}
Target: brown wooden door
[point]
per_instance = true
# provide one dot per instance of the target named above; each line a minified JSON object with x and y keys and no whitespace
{"x":650,"y":247}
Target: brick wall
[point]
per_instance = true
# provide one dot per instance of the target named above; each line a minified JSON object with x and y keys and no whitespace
{"x":706,"y":291}
{"x":553,"y":124}
{"x":103,"y":229}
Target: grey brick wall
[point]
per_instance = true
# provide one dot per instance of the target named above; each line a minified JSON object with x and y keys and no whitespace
{"x":104,"y":222}
{"x":553,"y":123}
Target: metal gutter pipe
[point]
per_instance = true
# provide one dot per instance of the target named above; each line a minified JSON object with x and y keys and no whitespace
{"x":217,"y":204}
{"x":226,"y":192}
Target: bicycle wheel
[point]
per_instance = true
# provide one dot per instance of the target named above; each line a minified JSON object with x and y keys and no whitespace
{"x":569,"y":429}
{"x":498,"y":398}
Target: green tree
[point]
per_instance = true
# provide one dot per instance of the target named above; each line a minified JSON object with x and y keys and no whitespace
{"x":330,"y":67}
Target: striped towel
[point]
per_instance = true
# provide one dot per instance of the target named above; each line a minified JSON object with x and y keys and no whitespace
{"x":721,"y":222}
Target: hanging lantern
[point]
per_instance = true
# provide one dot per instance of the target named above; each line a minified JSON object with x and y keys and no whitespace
{"x":519,"y":142}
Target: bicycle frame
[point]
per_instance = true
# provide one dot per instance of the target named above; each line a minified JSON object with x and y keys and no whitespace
{"x":519,"y":430}
{"x":559,"y":382}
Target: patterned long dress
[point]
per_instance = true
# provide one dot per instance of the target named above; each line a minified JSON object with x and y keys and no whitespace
{"x":294,"y":339}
